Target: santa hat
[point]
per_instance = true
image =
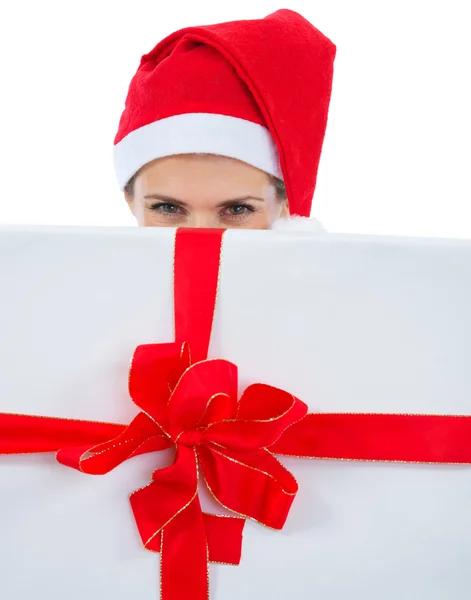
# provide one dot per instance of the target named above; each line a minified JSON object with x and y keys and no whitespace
{"x":257,"y":91}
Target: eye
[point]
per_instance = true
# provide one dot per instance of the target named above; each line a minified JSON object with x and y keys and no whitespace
{"x":168,"y":210}
{"x":166,"y":207}
{"x":238,"y":211}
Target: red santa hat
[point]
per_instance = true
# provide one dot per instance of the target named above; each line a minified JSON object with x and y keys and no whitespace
{"x":257,"y":91}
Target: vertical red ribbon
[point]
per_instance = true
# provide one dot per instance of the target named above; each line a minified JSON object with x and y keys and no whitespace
{"x":196,"y":275}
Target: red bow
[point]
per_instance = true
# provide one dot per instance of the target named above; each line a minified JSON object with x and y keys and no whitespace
{"x":195,"y":408}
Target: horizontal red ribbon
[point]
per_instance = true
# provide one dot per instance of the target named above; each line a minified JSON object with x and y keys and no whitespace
{"x":442,"y":439}
{"x":21,"y":434}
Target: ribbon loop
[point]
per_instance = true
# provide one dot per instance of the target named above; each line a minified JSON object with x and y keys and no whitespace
{"x":141,"y":436}
{"x":263,"y":415}
{"x":154,"y":373}
{"x":252,"y":484}
{"x":196,"y":390}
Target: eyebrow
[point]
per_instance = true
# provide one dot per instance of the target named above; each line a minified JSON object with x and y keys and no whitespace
{"x":230,"y":201}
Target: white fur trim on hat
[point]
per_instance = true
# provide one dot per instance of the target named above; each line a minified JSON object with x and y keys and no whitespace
{"x":303,"y":224}
{"x":196,"y":133}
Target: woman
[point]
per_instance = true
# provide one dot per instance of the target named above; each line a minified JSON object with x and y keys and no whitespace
{"x":224,"y":124}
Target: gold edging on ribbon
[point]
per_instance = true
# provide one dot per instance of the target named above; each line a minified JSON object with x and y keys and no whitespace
{"x":376,"y":460}
{"x":216,"y":395}
{"x":8,"y":414}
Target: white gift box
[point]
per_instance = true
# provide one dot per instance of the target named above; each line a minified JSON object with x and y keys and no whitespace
{"x":346,"y":323}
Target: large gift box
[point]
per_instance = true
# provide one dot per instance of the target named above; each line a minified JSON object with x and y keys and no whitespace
{"x":372,"y":334}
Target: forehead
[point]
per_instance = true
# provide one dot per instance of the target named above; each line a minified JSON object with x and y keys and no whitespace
{"x":190,"y":176}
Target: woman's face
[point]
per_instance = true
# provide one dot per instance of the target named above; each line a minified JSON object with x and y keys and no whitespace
{"x":204,"y":191}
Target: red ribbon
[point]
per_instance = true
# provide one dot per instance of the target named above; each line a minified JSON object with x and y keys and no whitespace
{"x":192,"y":404}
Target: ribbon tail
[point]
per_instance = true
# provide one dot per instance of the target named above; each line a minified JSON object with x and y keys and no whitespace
{"x":379,"y":437}
{"x":184,"y":556}
{"x":224,"y":537}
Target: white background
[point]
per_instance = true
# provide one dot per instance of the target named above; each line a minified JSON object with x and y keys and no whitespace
{"x":396,"y":158}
